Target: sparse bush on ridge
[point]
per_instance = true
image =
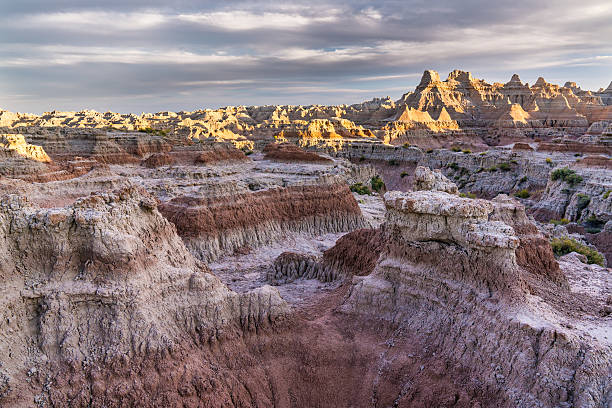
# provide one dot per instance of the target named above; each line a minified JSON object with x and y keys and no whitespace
{"x":563,"y":246}
{"x":377,"y":184}
{"x":524,"y":193}
{"x":567,"y":175}
{"x":504,"y":166}
{"x":360,"y":189}
{"x":562,"y":221}
{"x":151,"y":131}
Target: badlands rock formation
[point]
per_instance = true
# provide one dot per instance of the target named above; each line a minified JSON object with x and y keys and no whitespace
{"x":446,"y":263}
{"x":249,"y":256}
{"x":214,"y":225}
{"x":437,"y":113}
{"x":106,"y":284}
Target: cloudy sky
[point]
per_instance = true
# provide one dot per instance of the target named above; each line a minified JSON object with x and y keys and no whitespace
{"x":135,"y":56}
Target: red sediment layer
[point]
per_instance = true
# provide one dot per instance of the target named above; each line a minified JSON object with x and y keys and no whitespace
{"x":536,"y":256}
{"x":208,"y":216}
{"x":357,"y":252}
{"x":158,"y":160}
{"x":63,"y":171}
{"x":219,"y":153}
{"x":329,"y":362}
{"x":522,"y":146}
{"x":290,"y":152}
{"x":574,"y":148}
{"x":596,"y":161}
{"x":116,"y":158}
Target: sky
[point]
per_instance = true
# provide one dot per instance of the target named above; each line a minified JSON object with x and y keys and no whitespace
{"x":150,"y":55}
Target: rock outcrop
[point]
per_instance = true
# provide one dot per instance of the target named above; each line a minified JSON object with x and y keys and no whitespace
{"x":426,"y":179}
{"x":107,"y":281}
{"x":212,"y":226}
{"x":581,"y":198}
{"x":447,"y":275}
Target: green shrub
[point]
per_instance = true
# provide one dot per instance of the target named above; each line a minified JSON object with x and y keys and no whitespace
{"x":362,"y":158}
{"x":577,"y":154}
{"x":151,"y":131}
{"x":455,"y":149}
{"x":360,"y":189}
{"x":504,"y":166}
{"x":377,"y":184}
{"x":491,"y":169}
{"x":248,"y":152}
{"x":583,"y":201}
{"x":593,"y":221}
{"x":548,"y":160}
{"x":393,"y":162}
{"x":483,"y":153}
{"x":567,"y":175}
{"x":561,"y":174}
{"x":429,"y":151}
{"x":467,"y":195}
{"x":607,"y":194}
{"x":466,"y":151}
{"x":480,"y":170}
{"x":406,"y":145}
{"x":404,"y":174}
{"x":523,"y":179}
{"x":562,"y":221}
{"x":522,"y":193}
{"x":563,"y":246}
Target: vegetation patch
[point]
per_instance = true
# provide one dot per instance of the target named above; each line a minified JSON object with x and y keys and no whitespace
{"x":563,"y":246}
{"x":582,"y":203}
{"x":467,"y":195}
{"x":567,"y":175}
{"x":151,"y":131}
{"x":524,"y":193}
{"x":562,"y":221}
{"x":377,"y":184}
{"x":504,"y":166}
{"x":361,"y":189}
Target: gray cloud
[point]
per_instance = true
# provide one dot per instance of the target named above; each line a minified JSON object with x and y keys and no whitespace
{"x":149,"y":56}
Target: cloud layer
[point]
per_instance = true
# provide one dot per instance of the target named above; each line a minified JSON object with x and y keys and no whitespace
{"x":147,"y":56}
